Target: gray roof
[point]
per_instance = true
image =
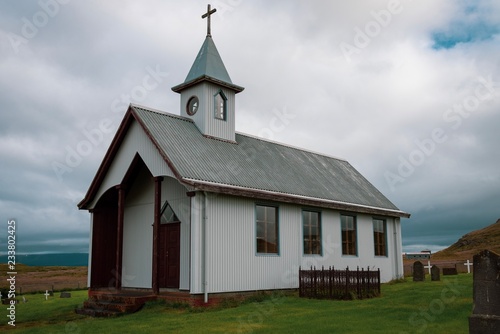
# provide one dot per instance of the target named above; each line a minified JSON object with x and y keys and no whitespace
{"x":208,"y":62}
{"x":256,"y":164}
{"x":208,"y":65}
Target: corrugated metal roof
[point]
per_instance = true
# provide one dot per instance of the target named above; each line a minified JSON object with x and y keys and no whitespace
{"x":208,"y":66}
{"x":208,"y":62}
{"x":255,"y":163}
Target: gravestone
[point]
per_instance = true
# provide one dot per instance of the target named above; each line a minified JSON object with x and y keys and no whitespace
{"x":450,"y":271}
{"x":8,"y":301}
{"x":435,"y":274}
{"x":65,"y":295}
{"x":485,"y":316}
{"x":418,"y":272}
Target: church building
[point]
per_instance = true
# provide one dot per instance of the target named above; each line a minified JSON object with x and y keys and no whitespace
{"x":186,"y":203}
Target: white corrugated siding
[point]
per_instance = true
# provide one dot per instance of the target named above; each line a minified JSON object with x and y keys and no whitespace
{"x":200,"y":117}
{"x":397,"y":248}
{"x":204,"y":119}
{"x":216,"y":127}
{"x":138,"y":233}
{"x":234,"y":265}
{"x":196,"y":279}
{"x":135,"y":141}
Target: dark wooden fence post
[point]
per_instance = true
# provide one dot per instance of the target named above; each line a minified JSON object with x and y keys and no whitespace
{"x":358,"y":288}
{"x":378,"y":281}
{"x":314,"y":280}
{"x":330,"y":283}
{"x":346,"y":282}
{"x":367,"y":283}
{"x":322,"y":281}
{"x":300,"y":283}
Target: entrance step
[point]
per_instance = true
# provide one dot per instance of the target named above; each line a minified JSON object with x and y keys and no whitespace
{"x":113,"y":304}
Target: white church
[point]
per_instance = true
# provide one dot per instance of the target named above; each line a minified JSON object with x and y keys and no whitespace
{"x":186,"y":203}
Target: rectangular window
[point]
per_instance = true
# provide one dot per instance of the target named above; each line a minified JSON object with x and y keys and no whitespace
{"x":311,"y":226}
{"x":267,"y":229}
{"x":348,"y":235}
{"x":379,"y":237}
{"x":220,"y":106}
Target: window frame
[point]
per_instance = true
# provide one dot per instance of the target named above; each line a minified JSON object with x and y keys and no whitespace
{"x":353,"y":239}
{"x":377,"y":245}
{"x":164,"y":208}
{"x":224,"y":106}
{"x":319,"y":235}
{"x":276,"y":231}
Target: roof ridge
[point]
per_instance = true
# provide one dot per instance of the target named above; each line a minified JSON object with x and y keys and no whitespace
{"x":162,"y":113}
{"x":290,"y":146}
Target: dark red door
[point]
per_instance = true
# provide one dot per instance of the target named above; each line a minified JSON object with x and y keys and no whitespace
{"x":169,"y":255}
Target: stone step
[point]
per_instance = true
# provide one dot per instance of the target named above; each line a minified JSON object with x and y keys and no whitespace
{"x":109,"y":305}
{"x":124,"y":299}
{"x":91,"y":312}
{"x":112,"y":306}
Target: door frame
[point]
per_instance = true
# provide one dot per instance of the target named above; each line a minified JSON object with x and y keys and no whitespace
{"x":165,"y":258}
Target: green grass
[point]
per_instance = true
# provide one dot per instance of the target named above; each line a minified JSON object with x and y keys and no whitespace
{"x":407,"y":307}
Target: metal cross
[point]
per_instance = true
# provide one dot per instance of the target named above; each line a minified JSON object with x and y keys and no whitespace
{"x":47,"y":294}
{"x":468,"y":264}
{"x":207,"y":15}
{"x":428,"y":266}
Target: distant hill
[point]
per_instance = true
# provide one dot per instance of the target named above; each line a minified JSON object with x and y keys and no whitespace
{"x":59,"y":259}
{"x":472,"y":243}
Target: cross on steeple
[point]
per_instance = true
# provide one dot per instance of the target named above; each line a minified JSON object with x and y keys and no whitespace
{"x":207,"y":15}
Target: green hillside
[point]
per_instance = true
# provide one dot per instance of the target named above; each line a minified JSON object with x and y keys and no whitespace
{"x":472,"y":243}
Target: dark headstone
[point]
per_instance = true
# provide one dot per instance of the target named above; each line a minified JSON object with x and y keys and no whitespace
{"x":8,"y":301}
{"x":418,"y":272}
{"x":435,"y":274}
{"x":51,"y":293}
{"x":485,"y":316}
{"x":450,"y":271}
{"x":65,"y":294}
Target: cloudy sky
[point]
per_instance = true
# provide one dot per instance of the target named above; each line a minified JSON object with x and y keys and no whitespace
{"x":407,"y":91}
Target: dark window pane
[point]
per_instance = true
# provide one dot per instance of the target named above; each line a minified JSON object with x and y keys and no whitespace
{"x":267,"y":229}
{"x":311,"y":227}
{"x":379,"y":237}
{"x":168,"y":215}
{"x":348,"y":224}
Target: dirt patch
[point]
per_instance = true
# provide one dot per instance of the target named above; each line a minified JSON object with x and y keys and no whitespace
{"x":31,"y":278}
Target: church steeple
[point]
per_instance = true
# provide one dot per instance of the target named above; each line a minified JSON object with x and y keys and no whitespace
{"x":208,"y":65}
{"x":207,"y":93}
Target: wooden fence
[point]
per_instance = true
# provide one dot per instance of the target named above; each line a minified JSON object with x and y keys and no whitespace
{"x":339,"y":284}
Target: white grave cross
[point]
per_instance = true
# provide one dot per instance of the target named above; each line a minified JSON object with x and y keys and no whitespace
{"x":468,"y":264}
{"x":428,"y":266}
{"x":46,"y":294}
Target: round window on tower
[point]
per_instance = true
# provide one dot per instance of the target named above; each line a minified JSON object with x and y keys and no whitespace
{"x":192,"y":105}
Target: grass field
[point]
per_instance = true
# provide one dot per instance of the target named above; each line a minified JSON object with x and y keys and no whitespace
{"x":408,"y":307}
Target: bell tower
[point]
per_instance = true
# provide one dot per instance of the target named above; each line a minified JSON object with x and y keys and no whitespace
{"x":207,"y":93}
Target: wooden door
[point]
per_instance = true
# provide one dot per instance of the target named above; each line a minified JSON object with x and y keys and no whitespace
{"x":169,"y":266}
